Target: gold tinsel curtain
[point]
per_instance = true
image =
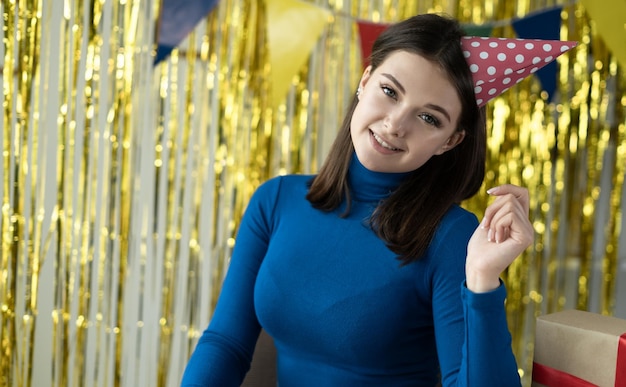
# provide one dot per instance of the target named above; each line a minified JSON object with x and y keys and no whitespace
{"x":123,"y":182}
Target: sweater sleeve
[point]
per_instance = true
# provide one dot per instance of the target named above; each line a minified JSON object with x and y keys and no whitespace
{"x":488,"y":359}
{"x":472,"y":335}
{"x":224,"y":351}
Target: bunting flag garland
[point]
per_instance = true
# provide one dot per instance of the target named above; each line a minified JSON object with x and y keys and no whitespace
{"x":177,"y":19}
{"x":544,"y":25}
{"x":293,"y":29}
{"x":610,"y":20}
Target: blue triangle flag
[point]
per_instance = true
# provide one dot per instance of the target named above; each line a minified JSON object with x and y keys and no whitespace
{"x":177,"y":19}
{"x":542,"y":25}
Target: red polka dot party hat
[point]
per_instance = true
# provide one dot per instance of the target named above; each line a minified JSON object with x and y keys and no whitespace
{"x":499,"y":63}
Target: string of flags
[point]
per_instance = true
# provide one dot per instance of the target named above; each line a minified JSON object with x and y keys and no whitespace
{"x":306,"y":22}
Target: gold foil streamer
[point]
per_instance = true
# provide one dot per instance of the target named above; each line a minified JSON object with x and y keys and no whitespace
{"x":123,"y":183}
{"x":71,"y":77}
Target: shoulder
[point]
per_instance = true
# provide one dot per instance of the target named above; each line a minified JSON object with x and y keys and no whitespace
{"x":275,"y":196}
{"x":282,"y":183}
{"x":285,"y":186}
{"x":458,"y":215}
{"x":455,"y":228}
{"x":447,"y":251}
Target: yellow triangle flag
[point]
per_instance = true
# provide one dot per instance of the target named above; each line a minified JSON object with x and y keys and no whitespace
{"x":293,"y":28}
{"x":610,"y":18}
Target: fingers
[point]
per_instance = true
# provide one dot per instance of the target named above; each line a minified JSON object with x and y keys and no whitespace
{"x":500,"y":207}
{"x":507,"y":216}
{"x":499,"y":228}
{"x":505,"y":194}
{"x":504,"y":233}
{"x":503,"y":226}
{"x":520,"y":193}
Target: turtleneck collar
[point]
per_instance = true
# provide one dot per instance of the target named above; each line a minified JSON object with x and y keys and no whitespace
{"x":371,"y":186}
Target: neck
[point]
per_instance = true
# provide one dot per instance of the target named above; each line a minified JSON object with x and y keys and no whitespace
{"x":371,"y":186}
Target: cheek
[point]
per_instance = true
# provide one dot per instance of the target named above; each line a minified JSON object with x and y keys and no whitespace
{"x":425,"y":146}
{"x":367,"y":110}
{"x":358,"y":118}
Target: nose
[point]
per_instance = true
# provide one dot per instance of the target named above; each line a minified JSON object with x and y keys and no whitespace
{"x":395,"y":124}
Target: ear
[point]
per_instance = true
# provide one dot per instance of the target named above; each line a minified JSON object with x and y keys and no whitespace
{"x":455,"y":139}
{"x":365,"y":77}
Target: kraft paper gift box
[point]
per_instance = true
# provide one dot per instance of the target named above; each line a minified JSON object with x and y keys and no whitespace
{"x":574,"y":348}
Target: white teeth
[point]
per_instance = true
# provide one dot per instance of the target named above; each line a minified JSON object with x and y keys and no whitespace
{"x":383,"y":143}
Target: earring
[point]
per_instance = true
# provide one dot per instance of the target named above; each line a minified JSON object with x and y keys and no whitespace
{"x":358,"y":91}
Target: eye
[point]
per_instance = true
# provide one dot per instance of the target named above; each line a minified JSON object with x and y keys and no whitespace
{"x":389,"y":91}
{"x":430,"y":120}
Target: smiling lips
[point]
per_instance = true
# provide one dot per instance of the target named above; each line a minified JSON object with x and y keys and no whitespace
{"x":383,"y":143}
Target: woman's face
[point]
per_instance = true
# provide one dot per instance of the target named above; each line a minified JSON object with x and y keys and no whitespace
{"x":408,"y":111}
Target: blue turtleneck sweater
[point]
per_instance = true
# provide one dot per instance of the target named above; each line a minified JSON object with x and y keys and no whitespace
{"x":341,"y":309}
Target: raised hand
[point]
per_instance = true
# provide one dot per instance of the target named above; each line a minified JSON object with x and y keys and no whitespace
{"x":504,"y":233}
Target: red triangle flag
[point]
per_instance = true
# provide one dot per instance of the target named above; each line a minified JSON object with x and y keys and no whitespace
{"x":368,"y":32}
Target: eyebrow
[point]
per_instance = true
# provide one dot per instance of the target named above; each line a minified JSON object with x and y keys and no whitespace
{"x":395,"y":81}
{"x":430,"y":106}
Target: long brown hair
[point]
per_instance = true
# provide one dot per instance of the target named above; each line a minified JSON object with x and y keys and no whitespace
{"x":408,"y":219}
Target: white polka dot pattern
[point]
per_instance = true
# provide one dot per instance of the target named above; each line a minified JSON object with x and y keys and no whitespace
{"x":499,"y":63}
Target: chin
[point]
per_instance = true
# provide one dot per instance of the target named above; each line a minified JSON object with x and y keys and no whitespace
{"x":376,"y":167}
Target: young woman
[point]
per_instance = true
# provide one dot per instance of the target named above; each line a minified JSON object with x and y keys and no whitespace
{"x":369,"y":273}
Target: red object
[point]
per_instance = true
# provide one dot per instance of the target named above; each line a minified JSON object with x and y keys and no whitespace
{"x":499,"y":63}
{"x":368,"y":32}
{"x":552,"y":377}
{"x":620,"y":373}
